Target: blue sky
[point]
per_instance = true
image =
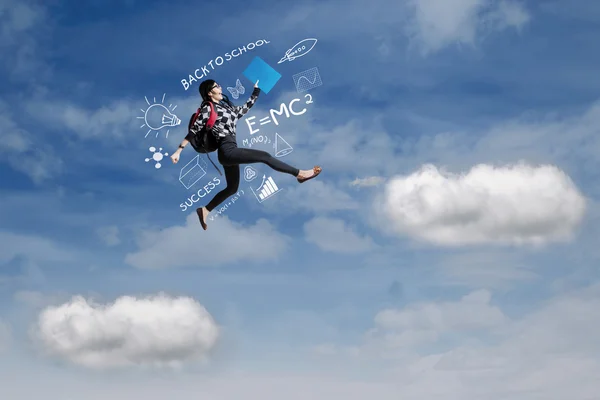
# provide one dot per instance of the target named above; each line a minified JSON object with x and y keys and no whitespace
{"x":448,"y":248}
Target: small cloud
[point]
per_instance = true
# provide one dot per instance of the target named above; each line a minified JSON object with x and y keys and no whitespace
{"x":157,"y":331}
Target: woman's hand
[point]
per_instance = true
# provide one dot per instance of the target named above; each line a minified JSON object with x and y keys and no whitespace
{"x":175,"y":156}
{"x":256,"y":84}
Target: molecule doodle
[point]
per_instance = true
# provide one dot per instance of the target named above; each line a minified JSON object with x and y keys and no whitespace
{"x":157,"y":156}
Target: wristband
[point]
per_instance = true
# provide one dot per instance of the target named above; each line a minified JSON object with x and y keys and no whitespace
{"x":181,"y":147}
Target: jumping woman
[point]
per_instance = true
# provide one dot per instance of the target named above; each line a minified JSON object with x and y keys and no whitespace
{"x":229,"y":155}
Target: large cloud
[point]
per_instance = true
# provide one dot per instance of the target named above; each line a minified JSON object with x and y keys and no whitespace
{"x":154,"y":331}
{"x":515,"y":204}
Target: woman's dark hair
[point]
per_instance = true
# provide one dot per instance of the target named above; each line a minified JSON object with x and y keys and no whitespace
{"x":206,"y":86}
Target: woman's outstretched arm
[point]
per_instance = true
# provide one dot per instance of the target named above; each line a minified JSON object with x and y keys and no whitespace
{"x":242,"y":110}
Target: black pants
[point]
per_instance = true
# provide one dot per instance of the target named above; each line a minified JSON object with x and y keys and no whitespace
{"x":231,"y":156}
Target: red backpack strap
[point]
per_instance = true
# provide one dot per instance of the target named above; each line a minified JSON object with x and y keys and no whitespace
{"x":213,"y":116}
{"x":193,"y":119}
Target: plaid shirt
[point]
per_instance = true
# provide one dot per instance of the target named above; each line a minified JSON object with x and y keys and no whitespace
{"x":227,"y":117}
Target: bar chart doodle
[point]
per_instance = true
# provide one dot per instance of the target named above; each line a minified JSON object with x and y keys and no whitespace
{"x":266,"y":189}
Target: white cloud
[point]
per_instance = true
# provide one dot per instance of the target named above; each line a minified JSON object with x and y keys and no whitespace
{"x":517,"y":204}
{"x":334,"y":235}
{"x":224,"y":242}
{"x":435,"y":24}
{"x":154,"y":331}
{"x":109,"y":235}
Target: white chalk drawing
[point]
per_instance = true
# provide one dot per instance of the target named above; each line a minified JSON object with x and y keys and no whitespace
{"x":282,"y":148}
{"x":192,"y":172}
{"x":237,"y":90}
{"x":260,"y":139}
{"x":157,"y":116}
{"x":157,"y":156}
{"x":283,"y":108}
{"x":249,"y":173}
{"x":300,"y":49}
{"x":267,"y":189}
{"x":307,"y":80}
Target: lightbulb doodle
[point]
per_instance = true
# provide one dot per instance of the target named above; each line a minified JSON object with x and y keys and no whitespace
{"x":157,"y":116}
{"x":157,"y":156}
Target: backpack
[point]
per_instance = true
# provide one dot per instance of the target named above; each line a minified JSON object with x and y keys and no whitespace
{"x":204,"y":141}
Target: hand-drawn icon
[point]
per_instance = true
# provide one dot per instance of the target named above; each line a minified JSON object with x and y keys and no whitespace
{"x":307,"y":80}
{"x":266,"y":189}
{"x":157,"y":156}
{"x":282,"y":148}
{"x":192,"y":172}
{"x":157,"y":116}
{"x":259,"y":70}
{"x":300,"y":49}
{"x":249,"y":174}
{"x":237,"y":90}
